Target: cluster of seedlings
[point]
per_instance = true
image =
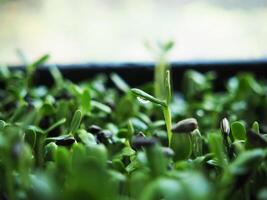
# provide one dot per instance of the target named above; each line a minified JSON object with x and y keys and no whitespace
{"x":90,"y":140}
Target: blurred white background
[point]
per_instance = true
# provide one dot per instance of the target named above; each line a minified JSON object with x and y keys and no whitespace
{"x":78,"y":31}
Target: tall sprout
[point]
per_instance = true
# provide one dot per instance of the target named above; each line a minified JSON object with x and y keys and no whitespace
{"x":164,"y":103}
{"x":167,"y":109}
{"x":162,"y":83}
{"x":160,"y":52}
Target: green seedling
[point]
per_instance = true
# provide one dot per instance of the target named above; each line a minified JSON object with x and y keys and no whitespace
{"x":30,"y":69}
{"x":59,"y":81}
{"x":225,"y":130}
{"x":165,"y":104}
{"x":182,"y":138}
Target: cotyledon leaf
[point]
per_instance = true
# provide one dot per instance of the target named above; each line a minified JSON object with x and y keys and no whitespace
{"x":76,"y":120}
{"x":143,"y":95}
{"x":238,"y":131}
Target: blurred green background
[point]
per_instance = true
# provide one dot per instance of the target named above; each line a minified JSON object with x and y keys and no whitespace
{"x":78,"y":31}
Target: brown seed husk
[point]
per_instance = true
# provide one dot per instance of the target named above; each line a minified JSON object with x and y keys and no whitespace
{"x":185,"y":126}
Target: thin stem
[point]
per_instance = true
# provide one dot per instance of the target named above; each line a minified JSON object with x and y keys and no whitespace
{"x":168,"y":120}
{"x":160,"y":70}
{"x":39,"y":150}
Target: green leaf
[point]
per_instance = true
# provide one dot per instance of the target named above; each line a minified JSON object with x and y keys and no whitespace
{"x":31,"y":68}
{"x":143,"y":95}
{"x":86,"y":101}
{"x":125,"y":133}
{"x":62,"y":159}
{"x":163,"y":188}
{"x":238,"y":131}
{"x":101,"y":106}
{"x":216,"y":147}
{"x":78,"y":154}
{"x":56,"y":75}
{"x":50,"y":149}
{"x":125,"y":108}
{"x":36,"y":129}
{"x":138,"y":125}
{"x":99,"y":154}
{"x":167,"y":46}
{"x":86,"y":138}
{"x":130,"y":127}
{"x":76,"y":120}
{"x":182,"y":146}
{"x":196,"y":185}
{"x":63,"y":110}
{"x":42,"y":187}
{"x":195,"y":84}
{"x":156,"y":160}
{"x":119,"y":82}
{"x":47,"y":109}
{"x":247,"y":161}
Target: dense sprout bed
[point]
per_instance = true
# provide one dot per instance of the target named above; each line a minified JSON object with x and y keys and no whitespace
{"x":92,"y":140}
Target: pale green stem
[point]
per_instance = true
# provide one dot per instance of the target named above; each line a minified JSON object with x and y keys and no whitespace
{"x":160,"y":71}
{"x":168,"y":120}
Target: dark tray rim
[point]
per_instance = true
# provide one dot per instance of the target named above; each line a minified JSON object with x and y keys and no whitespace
{"x":196,"y":64}
{"x":138,"y":73}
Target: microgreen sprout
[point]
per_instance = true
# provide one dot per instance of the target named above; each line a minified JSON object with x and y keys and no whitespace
{"x":165,"y":104}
